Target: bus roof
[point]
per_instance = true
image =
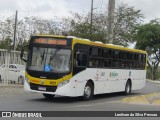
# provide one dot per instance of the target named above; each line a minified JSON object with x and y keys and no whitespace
{"x":96,"y":43}
{"x":111,"y":46}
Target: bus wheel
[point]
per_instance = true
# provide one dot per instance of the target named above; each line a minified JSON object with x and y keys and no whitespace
{"x":128,"y":88}
{"x":21,"y":79}
{"x":88,"y":91}
{"x":48,"y":96}
{"x":0,"y":79}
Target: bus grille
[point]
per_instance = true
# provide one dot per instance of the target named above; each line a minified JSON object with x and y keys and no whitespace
{"x":48,"y":88}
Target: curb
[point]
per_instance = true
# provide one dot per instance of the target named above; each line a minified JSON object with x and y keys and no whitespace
{"x":10,"y":85}
{"x":152,"y":81}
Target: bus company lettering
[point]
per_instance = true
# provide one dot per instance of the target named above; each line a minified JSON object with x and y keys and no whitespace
{"x":35,"y":81}
{"x":113,"y":74}
{"x":99,"y":74}
{"x":52,"y":83}
{"x":129,"y":73}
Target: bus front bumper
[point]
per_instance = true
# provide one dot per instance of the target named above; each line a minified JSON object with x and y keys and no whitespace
{"x":62,"y":91}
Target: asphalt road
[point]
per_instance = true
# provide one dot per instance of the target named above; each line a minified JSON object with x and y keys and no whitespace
{"x":107,"y":102}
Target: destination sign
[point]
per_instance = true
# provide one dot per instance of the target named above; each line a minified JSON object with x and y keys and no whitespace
{"x":51,"y":41}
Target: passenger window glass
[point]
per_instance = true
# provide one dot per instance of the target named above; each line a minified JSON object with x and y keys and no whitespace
{"x":94,"y":51}
{"x":94,"y":62}
{"x":81,"y":58}
{"x":13,"y":66}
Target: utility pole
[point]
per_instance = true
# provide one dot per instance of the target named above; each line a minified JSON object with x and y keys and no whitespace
{"x":111,"y":10}
{"x":15,"y":28}
{"x":91,"y":19}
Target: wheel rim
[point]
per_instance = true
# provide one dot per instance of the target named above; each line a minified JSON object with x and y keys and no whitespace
{"x":87,"y":91}
{"x":128,"y":88}
{"x":20,"y":79}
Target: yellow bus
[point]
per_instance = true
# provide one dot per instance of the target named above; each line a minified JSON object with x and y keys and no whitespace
{"x":71,"y":66}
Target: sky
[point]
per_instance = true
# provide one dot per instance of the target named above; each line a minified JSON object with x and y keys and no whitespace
{"x":60,"y":8}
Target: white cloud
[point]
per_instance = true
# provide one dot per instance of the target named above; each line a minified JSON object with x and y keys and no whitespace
{"x":150,"y":8}
{"x":43,"y":8}
{"x":46,"y":8}
{"x":50,"y":8}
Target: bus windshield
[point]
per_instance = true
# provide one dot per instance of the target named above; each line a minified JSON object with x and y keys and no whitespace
{"x":55,"y":60}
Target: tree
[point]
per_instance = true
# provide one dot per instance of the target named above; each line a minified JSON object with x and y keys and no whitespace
{"x":127,"y":20}
{"x":6,"y":44}
{"x":80,"y":26}
{"x":7,"y":28}
{"x":148,"y":38}
{"x":27,"y":27}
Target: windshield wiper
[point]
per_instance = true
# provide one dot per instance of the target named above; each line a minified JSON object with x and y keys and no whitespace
{"x":53,"y":54}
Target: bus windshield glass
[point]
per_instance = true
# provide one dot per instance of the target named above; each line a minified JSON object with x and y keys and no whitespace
{"x":55,"y":60}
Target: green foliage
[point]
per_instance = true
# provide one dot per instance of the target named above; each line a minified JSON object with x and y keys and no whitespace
{"x":148,"y":38}
{"x":81,"y":26}
{"x":158,"y":75}
{"x":127,"y":20}
{"x":19,"y":46}
{"x":6,"y":44}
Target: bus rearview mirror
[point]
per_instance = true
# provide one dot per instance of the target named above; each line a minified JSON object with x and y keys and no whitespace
{"x":22,"y":53}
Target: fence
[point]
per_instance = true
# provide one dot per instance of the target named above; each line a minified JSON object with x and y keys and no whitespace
{"x":6,"y":57}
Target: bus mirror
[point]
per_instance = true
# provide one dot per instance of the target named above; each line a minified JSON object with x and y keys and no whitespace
{"x":22,"y":53}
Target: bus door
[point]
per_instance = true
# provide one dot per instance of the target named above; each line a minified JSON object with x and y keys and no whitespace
{"x":80,"y":65}
{"x":80,"y":61}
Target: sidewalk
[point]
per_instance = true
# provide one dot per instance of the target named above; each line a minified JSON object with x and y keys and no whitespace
{"x":10,"y":85}
{"x":11,"y":89}
{"x":153,"y":81}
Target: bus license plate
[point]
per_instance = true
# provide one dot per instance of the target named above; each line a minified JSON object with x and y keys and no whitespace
{"x":42,"y":88}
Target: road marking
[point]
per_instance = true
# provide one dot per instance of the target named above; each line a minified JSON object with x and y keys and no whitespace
{"x":83,"y":106}
{"x":89,"y":105}
{"x":156,"y":102}
{"x":148,"y":99}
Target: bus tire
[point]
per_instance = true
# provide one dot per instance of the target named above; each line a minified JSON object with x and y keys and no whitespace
{"x":20,"y":80}
{"x":0,"y":79}
{"x":88,"y":91}
{"x":128,"y":88}
{"x":48,"y":96}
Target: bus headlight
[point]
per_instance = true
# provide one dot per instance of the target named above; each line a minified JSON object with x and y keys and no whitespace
{"x":63,"y":83}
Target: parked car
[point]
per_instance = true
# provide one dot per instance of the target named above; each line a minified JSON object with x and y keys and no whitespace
{"x":13,"y":72}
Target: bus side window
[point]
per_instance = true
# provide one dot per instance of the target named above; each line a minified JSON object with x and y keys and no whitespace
{"x":81,"y":59}
{"x":95,"y":63}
